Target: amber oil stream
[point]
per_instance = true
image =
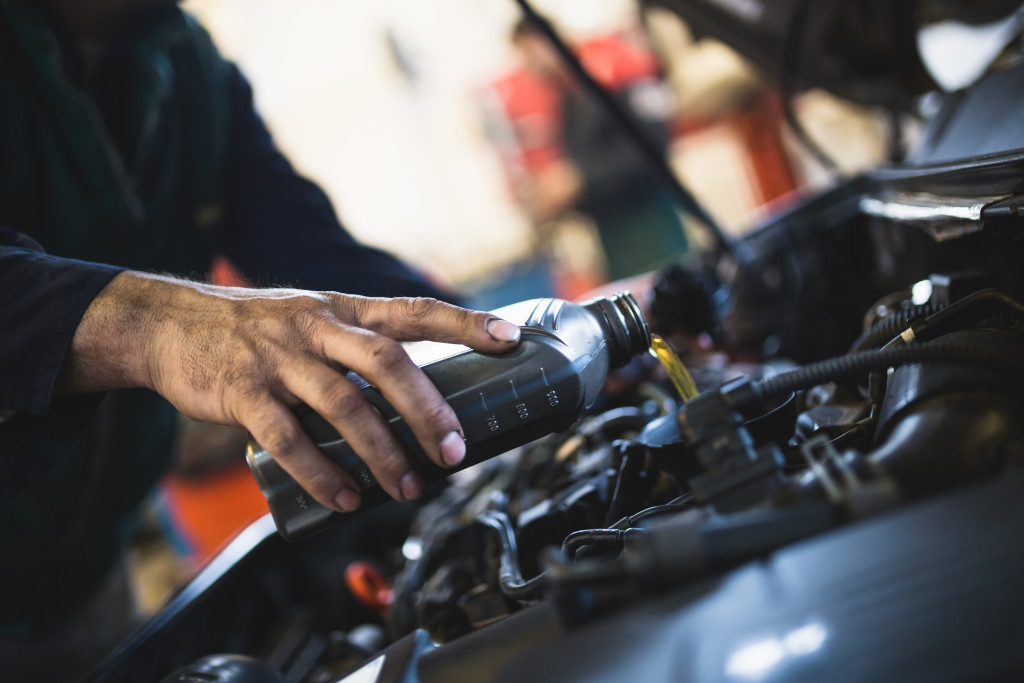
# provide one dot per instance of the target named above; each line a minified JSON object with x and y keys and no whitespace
{"x":677,"y":372}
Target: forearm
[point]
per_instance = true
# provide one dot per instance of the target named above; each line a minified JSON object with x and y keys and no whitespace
{"x":113,"y":344}
{"x":142,"y":327}
{"x":240,"y":356}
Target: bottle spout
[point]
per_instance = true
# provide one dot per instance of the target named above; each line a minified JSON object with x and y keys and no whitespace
{"x":624,"y":324}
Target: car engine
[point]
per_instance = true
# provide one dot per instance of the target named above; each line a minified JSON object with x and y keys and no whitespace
{"x":840,"y":500}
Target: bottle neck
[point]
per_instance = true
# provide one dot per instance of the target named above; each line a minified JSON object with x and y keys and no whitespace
{"x":625,"y":327}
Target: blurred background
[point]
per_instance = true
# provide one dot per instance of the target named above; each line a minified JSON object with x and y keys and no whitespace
{"x":424,"y":125}
{"x":395,"y":108}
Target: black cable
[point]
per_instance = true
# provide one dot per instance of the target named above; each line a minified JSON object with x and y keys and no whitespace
{"x":955,"y":353}
{"x":605,"y":537}
{"x":680,"y":504}
{"x":627,"y":464}
{"x":531,"y":589}
{"x":890,"y":326}
{"x":971,"y":308}
{"x":632,"y":128}
{"x":561,"y":573}
{"x":510,"y":577}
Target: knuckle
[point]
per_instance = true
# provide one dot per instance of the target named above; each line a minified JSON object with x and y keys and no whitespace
{"x":283,"y":441}
{"x":466,"y":319}
{"x":388,"y":355}
{"x":309,"y":322}
{"x":247,"y":390}
{"x":343,"y":401}
{"x":417,"y":313}
{"x":237,"y":374}
{"x":353,"y":309}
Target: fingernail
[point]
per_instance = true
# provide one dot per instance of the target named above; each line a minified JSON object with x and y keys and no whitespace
{"x":411,"y":486}
{"x":347,"y":500}
{"x":502,"y":330}
{"x":453,"y":449}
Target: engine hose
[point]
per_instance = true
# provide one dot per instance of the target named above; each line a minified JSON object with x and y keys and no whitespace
{"x":680,"y":504}
{"x":978,"y":305}
{"x":890,"y":326}
{"x":531,"y":589}
{"x":604,"y":537}
{"x":844,"y":367}
{"x":969,"y":310}
{"x":510,"y":577}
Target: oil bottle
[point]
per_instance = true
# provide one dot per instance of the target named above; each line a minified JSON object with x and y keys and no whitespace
{"x":566,"y":351}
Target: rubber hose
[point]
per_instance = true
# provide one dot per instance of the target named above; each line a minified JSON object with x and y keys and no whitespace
{"x":979,"y":304}
{"x":510,"y":578}
{"x":517,"y":589}
{"x":578,"y":539}
{"x":890,"y":326}
{"x":957,"y":353}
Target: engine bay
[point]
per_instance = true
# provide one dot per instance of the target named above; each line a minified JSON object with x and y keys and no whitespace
{"x":840,"y":500}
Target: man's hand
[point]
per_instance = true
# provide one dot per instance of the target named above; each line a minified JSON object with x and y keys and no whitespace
{"x":242,"y":356}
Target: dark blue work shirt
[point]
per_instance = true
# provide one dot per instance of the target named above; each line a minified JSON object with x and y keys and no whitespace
{"x":152,"y":158}
{"x":280,"y":229}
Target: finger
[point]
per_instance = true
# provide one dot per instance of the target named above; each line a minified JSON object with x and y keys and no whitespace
{"x":277,"y":430}
{"x":339,"y":402}
{"x":430,"y":319}
{"x":384,"y":363}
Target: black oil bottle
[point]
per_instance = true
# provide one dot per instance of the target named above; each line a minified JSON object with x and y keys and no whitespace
{"x":502,"y":401}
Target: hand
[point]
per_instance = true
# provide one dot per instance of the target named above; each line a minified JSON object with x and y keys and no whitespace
{"x":241,"y":357}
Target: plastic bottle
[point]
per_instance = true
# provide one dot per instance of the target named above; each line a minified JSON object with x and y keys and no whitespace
{"x":502,"y":401}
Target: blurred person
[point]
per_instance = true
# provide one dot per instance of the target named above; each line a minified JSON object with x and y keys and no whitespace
{"x":574,"y":156}
{"x":130,"y":146}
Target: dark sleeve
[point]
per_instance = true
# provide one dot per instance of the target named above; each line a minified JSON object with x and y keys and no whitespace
{"x":42,"y":300}
{"x":281,"y":228}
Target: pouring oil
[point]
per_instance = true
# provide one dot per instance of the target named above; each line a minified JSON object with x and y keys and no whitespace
{"x":677,"y":372}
